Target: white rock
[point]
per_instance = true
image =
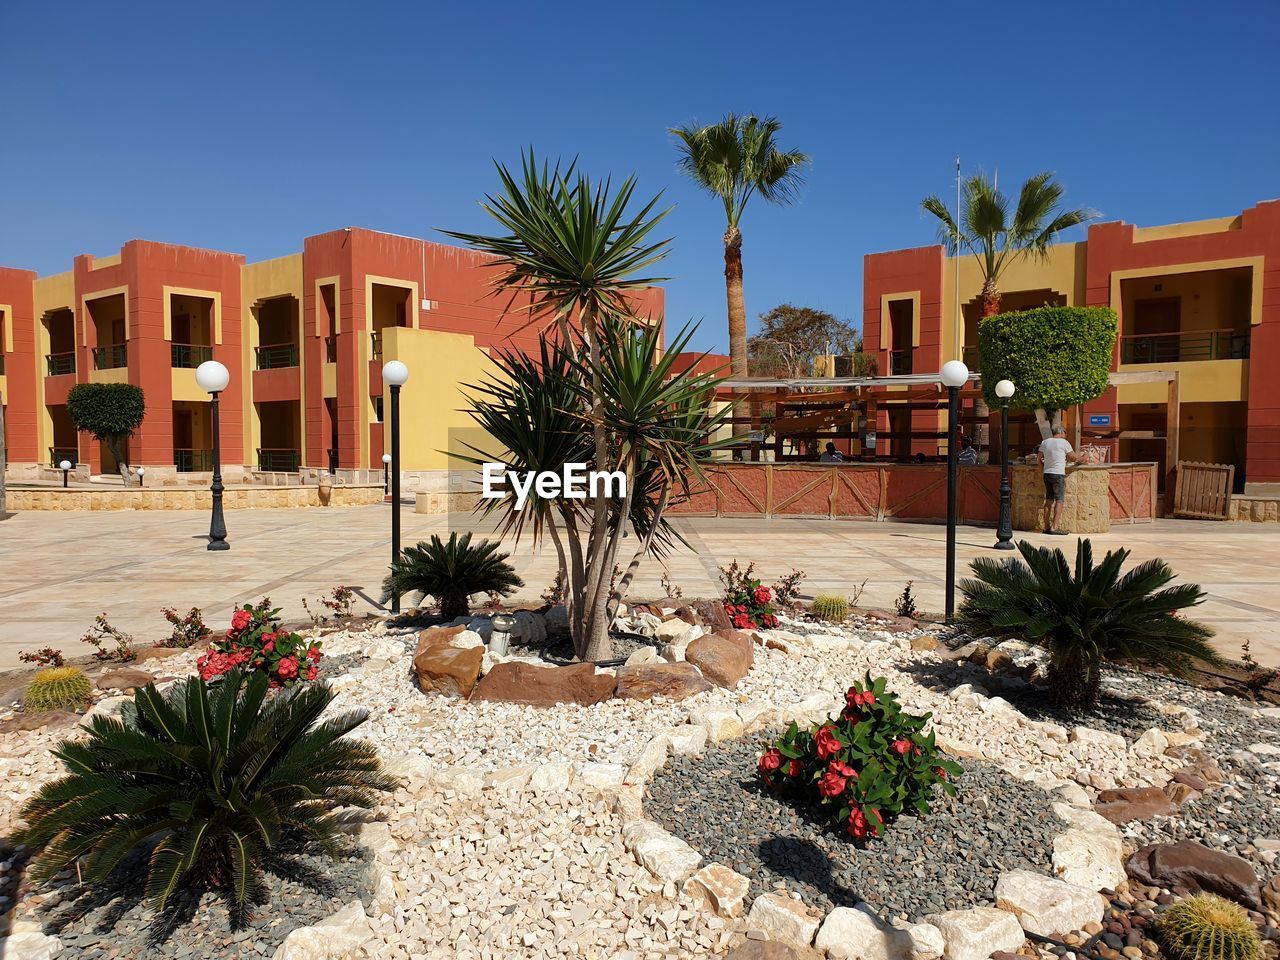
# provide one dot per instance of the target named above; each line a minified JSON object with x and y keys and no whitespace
{"x":375,"y":836}
{"x":926,"y":941}
{"x":506,"y":779}
{"x":550,"y":777}
{"x":1089,"y":859}
{"x":756,"y":716}
{"x":1073,"y":794}
{"x":667,"y":857}
{"x":815,"y":707}
{"x":1100,"y":738}
{"x":967,"y":689}
{"x":783,"y":919}
{"x":670,"y":631}
{"x":977,"y":933}
{"x":30,"y":946}
{"x":854,"y":933}
{"x":646,"y":624}
{"x":467,"y":639}
{"x":722,"y":889}
{"x":340,"y":937}
{"x":602,"y":776}
{"x":482,"y":626}
{"x":1264,"y":749}
{"x":643,"y":655}
{"x":720,"y":724}
{"x":1046,"y":906}
{"x":1151,"y":744}
{"x":687,"y":739}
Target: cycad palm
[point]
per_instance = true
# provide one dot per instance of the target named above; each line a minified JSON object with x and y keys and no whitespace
{"x":220,"y":777}
{"x":987,"y":231}
{"x":734,"y":160}
{"x":451,"y":572}
{"x":1086,"y":616}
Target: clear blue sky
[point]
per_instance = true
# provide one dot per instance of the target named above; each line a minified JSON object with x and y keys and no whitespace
{"x":246,"y":127}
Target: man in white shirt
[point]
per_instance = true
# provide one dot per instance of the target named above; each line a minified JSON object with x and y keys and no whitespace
{"x":1055,"y":452}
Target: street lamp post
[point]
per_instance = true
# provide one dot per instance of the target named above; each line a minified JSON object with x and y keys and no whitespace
{"x":954,"y":376}
{"x":212,"y":377}
{"x":65,"y":467}
{"x":394,"y":375}
{"x":1004,"y":533}
{"x":141,"y":474}
{"x":386,"y":475}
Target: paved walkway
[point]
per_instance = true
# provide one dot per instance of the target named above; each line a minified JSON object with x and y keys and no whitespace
{"x":58,"y":570}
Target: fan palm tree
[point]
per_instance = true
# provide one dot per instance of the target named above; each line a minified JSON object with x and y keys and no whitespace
{"x":734,"y":160}
{"x":216,"y":778}
{"x":451,"y":572}
{"x":1087,"y":616}
{"x":986,"y":230}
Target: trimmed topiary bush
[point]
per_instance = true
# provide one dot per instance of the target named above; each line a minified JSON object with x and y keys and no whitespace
{"x":829,"y":607}
{"x":1208,"y":927}
{"x":58,"y":688}
{"x":1057,"y":356}
{"x":109,"y":412}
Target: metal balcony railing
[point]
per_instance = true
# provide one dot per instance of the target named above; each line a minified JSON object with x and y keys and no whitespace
{"x":277,"y":460}
{"x":1222,"y":344}
{"x":276,"y":356}
{"x":58,"y":454}
{"x":60,"y":363}
{"x":899,"y":362}
{"x":111,"y":357}
{"x":188,"y":356}
{"x":193,"y":461}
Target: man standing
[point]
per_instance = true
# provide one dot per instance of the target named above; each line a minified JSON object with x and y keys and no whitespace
{"x":1054,"y":454}
{"x":831,"y":454}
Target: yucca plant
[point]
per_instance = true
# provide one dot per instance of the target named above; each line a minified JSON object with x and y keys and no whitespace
{"x":1086,"y":616}
{"x":451,"y":571}
{"x":216,"y":780}
{"x":1208,"y":927}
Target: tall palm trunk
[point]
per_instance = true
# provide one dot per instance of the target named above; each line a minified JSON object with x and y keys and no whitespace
{"x":737,"y":311}
{"x":990,"y":298}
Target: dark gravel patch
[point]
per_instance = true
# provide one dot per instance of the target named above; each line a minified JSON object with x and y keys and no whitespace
{"x":948,"y":860}
{"x":109,"y":920}
{"x":560,"y":649}
{"x":336,"y":666}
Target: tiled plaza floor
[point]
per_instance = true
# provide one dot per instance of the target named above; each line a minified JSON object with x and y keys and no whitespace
{"x":58,"y":570}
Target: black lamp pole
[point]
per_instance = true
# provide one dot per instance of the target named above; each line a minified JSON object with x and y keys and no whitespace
{"x":386,"y":477}
{"x":953,"y":476}
{"x":1004,"y":533}
{"x":395,"y":484}
{"x":217,"y":525}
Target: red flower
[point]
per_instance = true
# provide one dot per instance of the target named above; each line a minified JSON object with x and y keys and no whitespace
{"x":762,"y":595}
{"x":843,"y":769}
{"x":314,"y":654}
{"x":795,"y":768}
{"x":241,"y":619}
{"x":858,"y":825}
{"x":901,"y":747}
{"x":311,"y":675}
{"x":269,"y":645}
{"x":831,"y":784}
{"x":770,"y":620}
{"x":940,"y":772}
{"x":827,"y":742}
{"x":742,"y":621}
{"x":770,"y":760}
{"x":287,"y":667}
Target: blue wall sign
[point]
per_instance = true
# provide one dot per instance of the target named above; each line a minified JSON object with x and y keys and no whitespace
{"x":1099,"y":419}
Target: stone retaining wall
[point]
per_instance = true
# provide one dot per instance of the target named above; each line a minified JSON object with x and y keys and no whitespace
{"x":1255,"y":509}
{"x":178,"y":498}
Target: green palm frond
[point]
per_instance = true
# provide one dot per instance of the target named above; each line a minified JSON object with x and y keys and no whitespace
{"x":212,"y":776}
{"x":451,"y":571}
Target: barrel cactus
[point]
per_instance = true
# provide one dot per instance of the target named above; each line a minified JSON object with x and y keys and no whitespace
{"x":1208,"y":927}
{"x":829,"y":607}
{"x":58,"y":688}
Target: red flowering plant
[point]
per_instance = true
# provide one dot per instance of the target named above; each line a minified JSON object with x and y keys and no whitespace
{"x":258,"y":640}
{"x":747,"y":601}
{"x":864,"y":768}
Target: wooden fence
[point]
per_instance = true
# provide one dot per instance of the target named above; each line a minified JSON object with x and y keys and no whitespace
{"x":1202,"y":491}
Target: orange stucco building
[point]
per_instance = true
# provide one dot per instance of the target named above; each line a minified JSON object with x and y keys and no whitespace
{"x":304,"y":337}
{"x":1200,"y":299}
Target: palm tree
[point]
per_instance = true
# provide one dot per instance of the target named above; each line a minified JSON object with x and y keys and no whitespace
{"x":734,"y":160}
{"x":1088,"y":616}
{"x":986,"y":231}
{"x":451,"y":571}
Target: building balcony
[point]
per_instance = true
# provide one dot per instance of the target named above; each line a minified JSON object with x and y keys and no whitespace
{"x":899,"y":362}
{"x":1183,"y":346}
{"x":60,"y":364}
{"x":58,"y":454}
{"x":112,"y":357}
{"x":193,"y":461}
{"x":278,"y":460}
{"x":276,"y":356}
{"x":188,"y":356}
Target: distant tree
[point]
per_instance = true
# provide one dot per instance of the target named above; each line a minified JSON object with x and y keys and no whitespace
{"x":109,"y":412}
{"x":791,"y":338}
{"x":986,"y":230}
{"x":733,"y":160}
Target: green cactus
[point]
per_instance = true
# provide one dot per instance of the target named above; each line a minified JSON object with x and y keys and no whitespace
{"x":1208,"y":927}
{"x":829,"y":607}
{"x":57,"y":689}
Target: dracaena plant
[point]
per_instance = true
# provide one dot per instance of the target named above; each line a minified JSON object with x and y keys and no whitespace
{"x":215,"y":779}
{"x":601,"y":390}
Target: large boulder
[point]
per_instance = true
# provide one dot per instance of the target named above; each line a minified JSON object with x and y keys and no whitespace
{"x":437,"y":636}
{"x":674,"y":681}
{"x":1196,"y":867}
{"x":723,"y":889}
{"x":53,"y":719}
{"x":740,"y":639}
{"x":713,"y":615}
{"x":666,"y":856}
{"x":1046,"y":906}
{"x":337,"y":938}
{"x":721,"y":661}
{"x":977,"y":933}
{"x":783,"y":919}
{"x":855,"y":933}
{"x":516,"y":682}
{"x":124,"y":678}
{"x":1134,"y":803}
{"x":448,"y":670}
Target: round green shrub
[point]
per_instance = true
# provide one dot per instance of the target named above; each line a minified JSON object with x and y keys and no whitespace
{"x":829,"y":607}
{"x":1208,"y":927}
{"x":58,"y":688}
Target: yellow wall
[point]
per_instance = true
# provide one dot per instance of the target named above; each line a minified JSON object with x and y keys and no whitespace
{"x":261,"y":281}
{"x":1062,"y":271}
{"x":432,"y":401}
{"x":1209,"y":299}
{"x":1201,"y":381}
